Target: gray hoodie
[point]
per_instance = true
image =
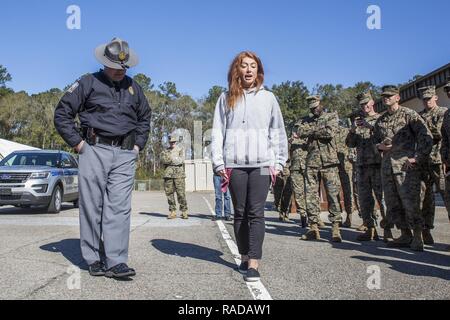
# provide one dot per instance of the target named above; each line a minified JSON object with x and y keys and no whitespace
{"x":252,"y":135}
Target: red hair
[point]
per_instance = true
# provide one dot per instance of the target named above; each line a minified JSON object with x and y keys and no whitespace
{"x":235,"y":88}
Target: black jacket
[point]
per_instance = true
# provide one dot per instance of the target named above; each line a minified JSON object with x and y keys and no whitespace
{"x":112,"y":109}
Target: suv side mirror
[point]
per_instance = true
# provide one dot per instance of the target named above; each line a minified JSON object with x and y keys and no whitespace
{"x":66,"y":165}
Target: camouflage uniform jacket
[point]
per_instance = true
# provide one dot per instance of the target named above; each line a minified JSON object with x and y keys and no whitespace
{"x":445,"y":131}
{"x":409,"y":136}
{"x":298,"y":152}
{"x":367,"y":153}
{"x":434,"y":119}
{"x":173,"y":160}
{"x":346,"y":155}
{"x":319,"y":133}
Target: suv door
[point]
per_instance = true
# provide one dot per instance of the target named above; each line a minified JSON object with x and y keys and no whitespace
{"x":70,"y":174}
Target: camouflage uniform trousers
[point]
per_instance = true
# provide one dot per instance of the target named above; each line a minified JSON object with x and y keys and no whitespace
{"x":370,"y":185}
{"x":404,"y":193}
{"x":435,"y":177}
{"x":447,"y":192}
{"x":278,"y":190}
{"x":286,"y":196}
{"x":330,"y":178}
{"x":346,"y":175}
{"x":172,"y":185}
{"x":298,"y":188}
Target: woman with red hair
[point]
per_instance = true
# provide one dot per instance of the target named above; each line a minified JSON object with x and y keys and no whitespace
{"x":249,"y":148}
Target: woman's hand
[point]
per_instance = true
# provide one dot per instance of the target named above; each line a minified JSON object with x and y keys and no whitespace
{"x":223,"y":174}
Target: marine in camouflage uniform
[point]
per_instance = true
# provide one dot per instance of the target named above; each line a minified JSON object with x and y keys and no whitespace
{"x":286,"y":193}
{"x":319,"y":130}
{"x":445,"y":148}
{"x":433,"y":116}
{"x":347,"y":173}
{"x":278,"y":191}
{"x":298,"y":151}
{"x":368,"y":164}
{"x":174,"y":178}
{"x":406,"y":142}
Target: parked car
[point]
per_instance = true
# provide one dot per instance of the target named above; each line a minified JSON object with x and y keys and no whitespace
{"x":39,"y":178}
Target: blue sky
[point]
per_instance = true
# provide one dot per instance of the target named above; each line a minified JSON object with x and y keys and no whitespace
{"x":193,"y":42}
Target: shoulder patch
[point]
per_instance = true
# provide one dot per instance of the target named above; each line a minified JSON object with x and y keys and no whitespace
{"x":73,"y":87}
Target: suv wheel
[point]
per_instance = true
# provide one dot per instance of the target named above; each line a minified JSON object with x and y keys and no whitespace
{"x":56,"y":201}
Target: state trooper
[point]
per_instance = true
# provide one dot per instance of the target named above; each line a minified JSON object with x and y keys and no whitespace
{"x":115,"y":121}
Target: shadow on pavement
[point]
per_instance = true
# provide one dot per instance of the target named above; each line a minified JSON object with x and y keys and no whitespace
{"x":403,"y":260}
{"x":188,"y":250}
{"x":30,"y":211}
{"x":191,"y":215}
{"x":428,"y":263}
{"x":70,"y":249}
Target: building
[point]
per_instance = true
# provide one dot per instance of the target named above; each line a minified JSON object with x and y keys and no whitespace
{"x":410,"y":92}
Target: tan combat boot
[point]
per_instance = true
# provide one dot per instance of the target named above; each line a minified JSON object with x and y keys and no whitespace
{"x":335,"y":233}
{"x":172,"y":215}
{"x":427,"y":237}
{"x":370,"y":235}
{"x":286,"y":217}
{"x":417,"y":242}
{"x":362,"y":227}
{"x":404,"y":241}
{"x":387,"y":235}
{"x":184,"y":215}
{"x":348,"y":221}
{"x":321,"y":224}
{"x":312,"y":234}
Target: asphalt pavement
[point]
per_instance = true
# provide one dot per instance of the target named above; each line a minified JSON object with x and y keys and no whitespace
{"x":196,"y":259}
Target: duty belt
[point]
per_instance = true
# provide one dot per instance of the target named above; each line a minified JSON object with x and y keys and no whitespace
{"x":110,"y":141}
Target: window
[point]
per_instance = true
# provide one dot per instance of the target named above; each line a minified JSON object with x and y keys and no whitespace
{"x":65,"y":161}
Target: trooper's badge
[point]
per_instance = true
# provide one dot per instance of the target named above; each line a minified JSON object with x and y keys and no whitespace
{"x":73,"y":87}
{"x":131,"y":90}
{"x":122,"y":56}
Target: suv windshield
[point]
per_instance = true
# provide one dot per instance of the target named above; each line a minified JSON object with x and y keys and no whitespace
{"x":31,"y":159}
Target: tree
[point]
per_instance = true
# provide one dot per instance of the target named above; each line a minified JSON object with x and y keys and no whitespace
{"x":292,"y":99}
{"x":207,"y":106}
{"x":169,"y":90}
{"x":4,"y":78}
{"x":144,"y":81}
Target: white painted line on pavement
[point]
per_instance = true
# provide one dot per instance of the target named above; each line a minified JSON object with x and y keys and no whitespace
{"x":257,"y":289}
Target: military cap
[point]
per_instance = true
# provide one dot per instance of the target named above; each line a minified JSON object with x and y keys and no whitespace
{"x":173,"y":139}
{"x":390,"y":90}
{"x":447,"y":86}
{"x":313,"y":101}
{"x":427,"y":92}
{"x":364,"y":98}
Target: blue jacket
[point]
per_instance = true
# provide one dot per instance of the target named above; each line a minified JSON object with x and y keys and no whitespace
{"x":113,"y":109}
